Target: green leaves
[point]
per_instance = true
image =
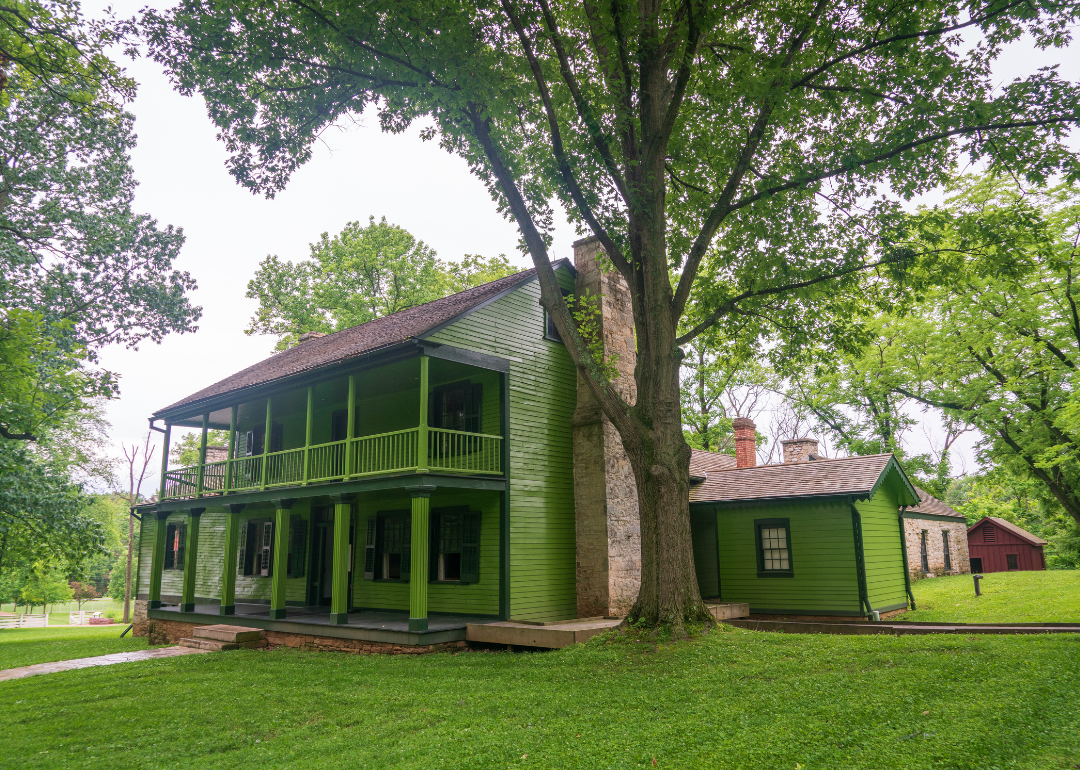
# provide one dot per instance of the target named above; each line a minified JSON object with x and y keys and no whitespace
{"x":360,"y":274}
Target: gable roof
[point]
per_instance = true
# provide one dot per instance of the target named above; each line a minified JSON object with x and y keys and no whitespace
{"x":701,"y":462}
{"x":378,"y":334}
{"x":1008,"y":526}
{"x":932,"y":506}
{"x":848,"y":476}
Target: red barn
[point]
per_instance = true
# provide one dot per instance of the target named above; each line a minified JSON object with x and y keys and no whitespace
{"x":996,"y":545}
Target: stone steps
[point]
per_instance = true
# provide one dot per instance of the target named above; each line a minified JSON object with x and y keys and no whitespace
{"x":223,"y":637}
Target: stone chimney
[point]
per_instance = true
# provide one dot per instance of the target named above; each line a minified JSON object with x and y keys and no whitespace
{"x":605,"y":496}
{"x":309,"y":336}
{"x":745,"y":442}
{"x":798,"y":450}
{"x":216,"y":454}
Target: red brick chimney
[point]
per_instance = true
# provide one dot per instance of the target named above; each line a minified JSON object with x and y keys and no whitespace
{"x":745,"y":442}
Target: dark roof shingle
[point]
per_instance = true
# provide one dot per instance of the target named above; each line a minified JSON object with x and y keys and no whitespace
{"x":349,"y":343}
{"x":818,"y":478}
{"x":931,"y":505}
{"x":701,"y":462}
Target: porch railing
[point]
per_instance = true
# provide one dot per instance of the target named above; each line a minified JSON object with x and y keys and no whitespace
{"x":448,"y":451}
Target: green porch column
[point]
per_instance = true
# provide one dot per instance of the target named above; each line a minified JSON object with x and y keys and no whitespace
{"x":418,"y":569}
{"x":422,"y":434}
{"x":267,"y":433}
{"x":281,"y":558}
{"x":191,"y":560}
{"x":350,"y":428}
{"x":228,"y":571}
{"x":339,"y":597}
{"x":232,"y":451}
{"x":157,"y":560}
{"x":202,"y":456}
{"x":307,"y":432}
{"x":165,"y":461}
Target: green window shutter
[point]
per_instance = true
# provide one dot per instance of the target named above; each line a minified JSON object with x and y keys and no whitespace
{"x":241,"y":551}
{"x":268,"y":547}
{"x":369,"y":549}
{"x":433,"y":546}
{"x":297,"y":546}
{"x":170,"y":538}
{"x":181,"y":544}
{"x":406,"y":546}
{"x":470,"y":547}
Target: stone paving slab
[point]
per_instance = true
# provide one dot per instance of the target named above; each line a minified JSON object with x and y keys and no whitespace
{"x":100,"y":660}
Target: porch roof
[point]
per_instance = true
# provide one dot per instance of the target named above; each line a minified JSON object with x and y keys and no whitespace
{"x":382,"y":333}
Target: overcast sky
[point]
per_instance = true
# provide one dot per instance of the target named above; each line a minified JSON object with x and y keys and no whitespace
{"x":355,"y":173}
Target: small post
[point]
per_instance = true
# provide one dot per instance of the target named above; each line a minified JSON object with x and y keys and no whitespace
{"x":977,"y":578}
{"x":350,"y":428}
{"x":191,"y":559}
{"x":157,"y":559}
{"x":232,"y":451}
{"x":165,"y":460}
{"x":281,"y":559}
{"x":422,"y":434}
{"x":418,"y":570}
{"x":267,"y":433}
{"x":307,"y":431}
{"x":200,"y":474}
{"x":228,"y":572}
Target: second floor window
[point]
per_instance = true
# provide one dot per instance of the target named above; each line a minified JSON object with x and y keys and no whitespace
{"x":457,"y":406}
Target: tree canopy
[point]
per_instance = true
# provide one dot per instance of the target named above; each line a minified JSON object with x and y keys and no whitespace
{"x":724,"y":156}
{"x":362,"y":273}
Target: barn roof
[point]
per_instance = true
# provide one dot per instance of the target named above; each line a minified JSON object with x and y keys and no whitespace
{"x":930,"y":505}
{"x":1008,"y":526}
{"x":858,"y":477}
{"x":380,"y":333}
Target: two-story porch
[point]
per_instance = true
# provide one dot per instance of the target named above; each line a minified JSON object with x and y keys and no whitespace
{"x":368,"y":502}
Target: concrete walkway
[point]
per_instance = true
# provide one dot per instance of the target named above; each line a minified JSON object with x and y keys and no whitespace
{"x":100,"y":660}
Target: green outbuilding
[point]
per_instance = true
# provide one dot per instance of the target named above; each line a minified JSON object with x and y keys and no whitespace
{"x":811,"y":536}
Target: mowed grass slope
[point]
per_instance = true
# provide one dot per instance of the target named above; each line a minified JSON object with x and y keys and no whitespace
{"x":728,"y":699}
{"x":26,"y":646}
{"x":1048,"y":596}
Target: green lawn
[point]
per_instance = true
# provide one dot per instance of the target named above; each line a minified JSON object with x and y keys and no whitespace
{"x":729,"y":699}
{"x":26,"y":646}
{"x":1051,"y":596}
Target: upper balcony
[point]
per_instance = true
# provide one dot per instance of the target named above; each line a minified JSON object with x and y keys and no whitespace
{"x":419,"y":415}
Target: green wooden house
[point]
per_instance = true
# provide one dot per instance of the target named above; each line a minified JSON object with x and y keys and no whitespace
{"x":810,"y":536}
{"x":393,"y":482}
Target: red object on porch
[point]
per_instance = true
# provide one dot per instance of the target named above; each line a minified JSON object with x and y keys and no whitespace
{"x":996,"y":545}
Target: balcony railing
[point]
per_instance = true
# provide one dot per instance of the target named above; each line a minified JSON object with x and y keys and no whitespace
{"x":447,"y":451}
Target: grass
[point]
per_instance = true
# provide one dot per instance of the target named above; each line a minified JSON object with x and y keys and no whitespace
{"x":1051,"y":596}
{"x":728,"y":699}
{"x":26,"y":646}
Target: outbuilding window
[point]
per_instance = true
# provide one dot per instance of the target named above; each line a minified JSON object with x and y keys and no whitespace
{"x":1011,"y":561}
{"x":945,"y":549}
{"x":175,"y":542}
{"x":773,"y":547}
{"x":923,"y":553}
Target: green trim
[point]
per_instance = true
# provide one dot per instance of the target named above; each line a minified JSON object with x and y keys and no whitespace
{"x":934,"y":517}
{"x":891,"y":607}
{"x":821,"y":613}
{"x":504,"y":501}
{"x":860,"y":559}
{"x":894,"y":465}
{"x":903,"y":553}
{"x":467,"y":357}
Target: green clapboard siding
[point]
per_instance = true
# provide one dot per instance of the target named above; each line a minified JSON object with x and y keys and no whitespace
{"x":543,"y":387}
{"x":480,"y":598}
{"x":881,"y":545}
{"x":703,"y":536}
{"x":822,"y":555}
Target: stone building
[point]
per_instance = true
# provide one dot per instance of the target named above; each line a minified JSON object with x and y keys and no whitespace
{"x":936,"y":535}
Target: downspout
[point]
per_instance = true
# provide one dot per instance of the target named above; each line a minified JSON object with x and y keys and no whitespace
{"x":860,"y":559}
{"x":903,"y":552}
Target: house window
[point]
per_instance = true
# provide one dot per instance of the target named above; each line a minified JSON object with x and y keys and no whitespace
{"x":773,"y":547}
{"x":339,"y":425}
{"x":945,"y":549}
{"x":922,"y":552}
{"x":393,"y":545}
{"x":551,"y":331}
{"x":256,"y":440}
{"x":1011,"y":561}
{"x":457,"y":407}
{"x":976,"y":564}
{"x":257,"y":548}
{"x":175,"y":542}
{"x":455,"y":546}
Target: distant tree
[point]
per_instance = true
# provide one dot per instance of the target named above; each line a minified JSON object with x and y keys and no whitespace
{"x":138,"y":460}
{"x":358,"y":275}
{"x":44,"y":586}
{"x":83,"y":592}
